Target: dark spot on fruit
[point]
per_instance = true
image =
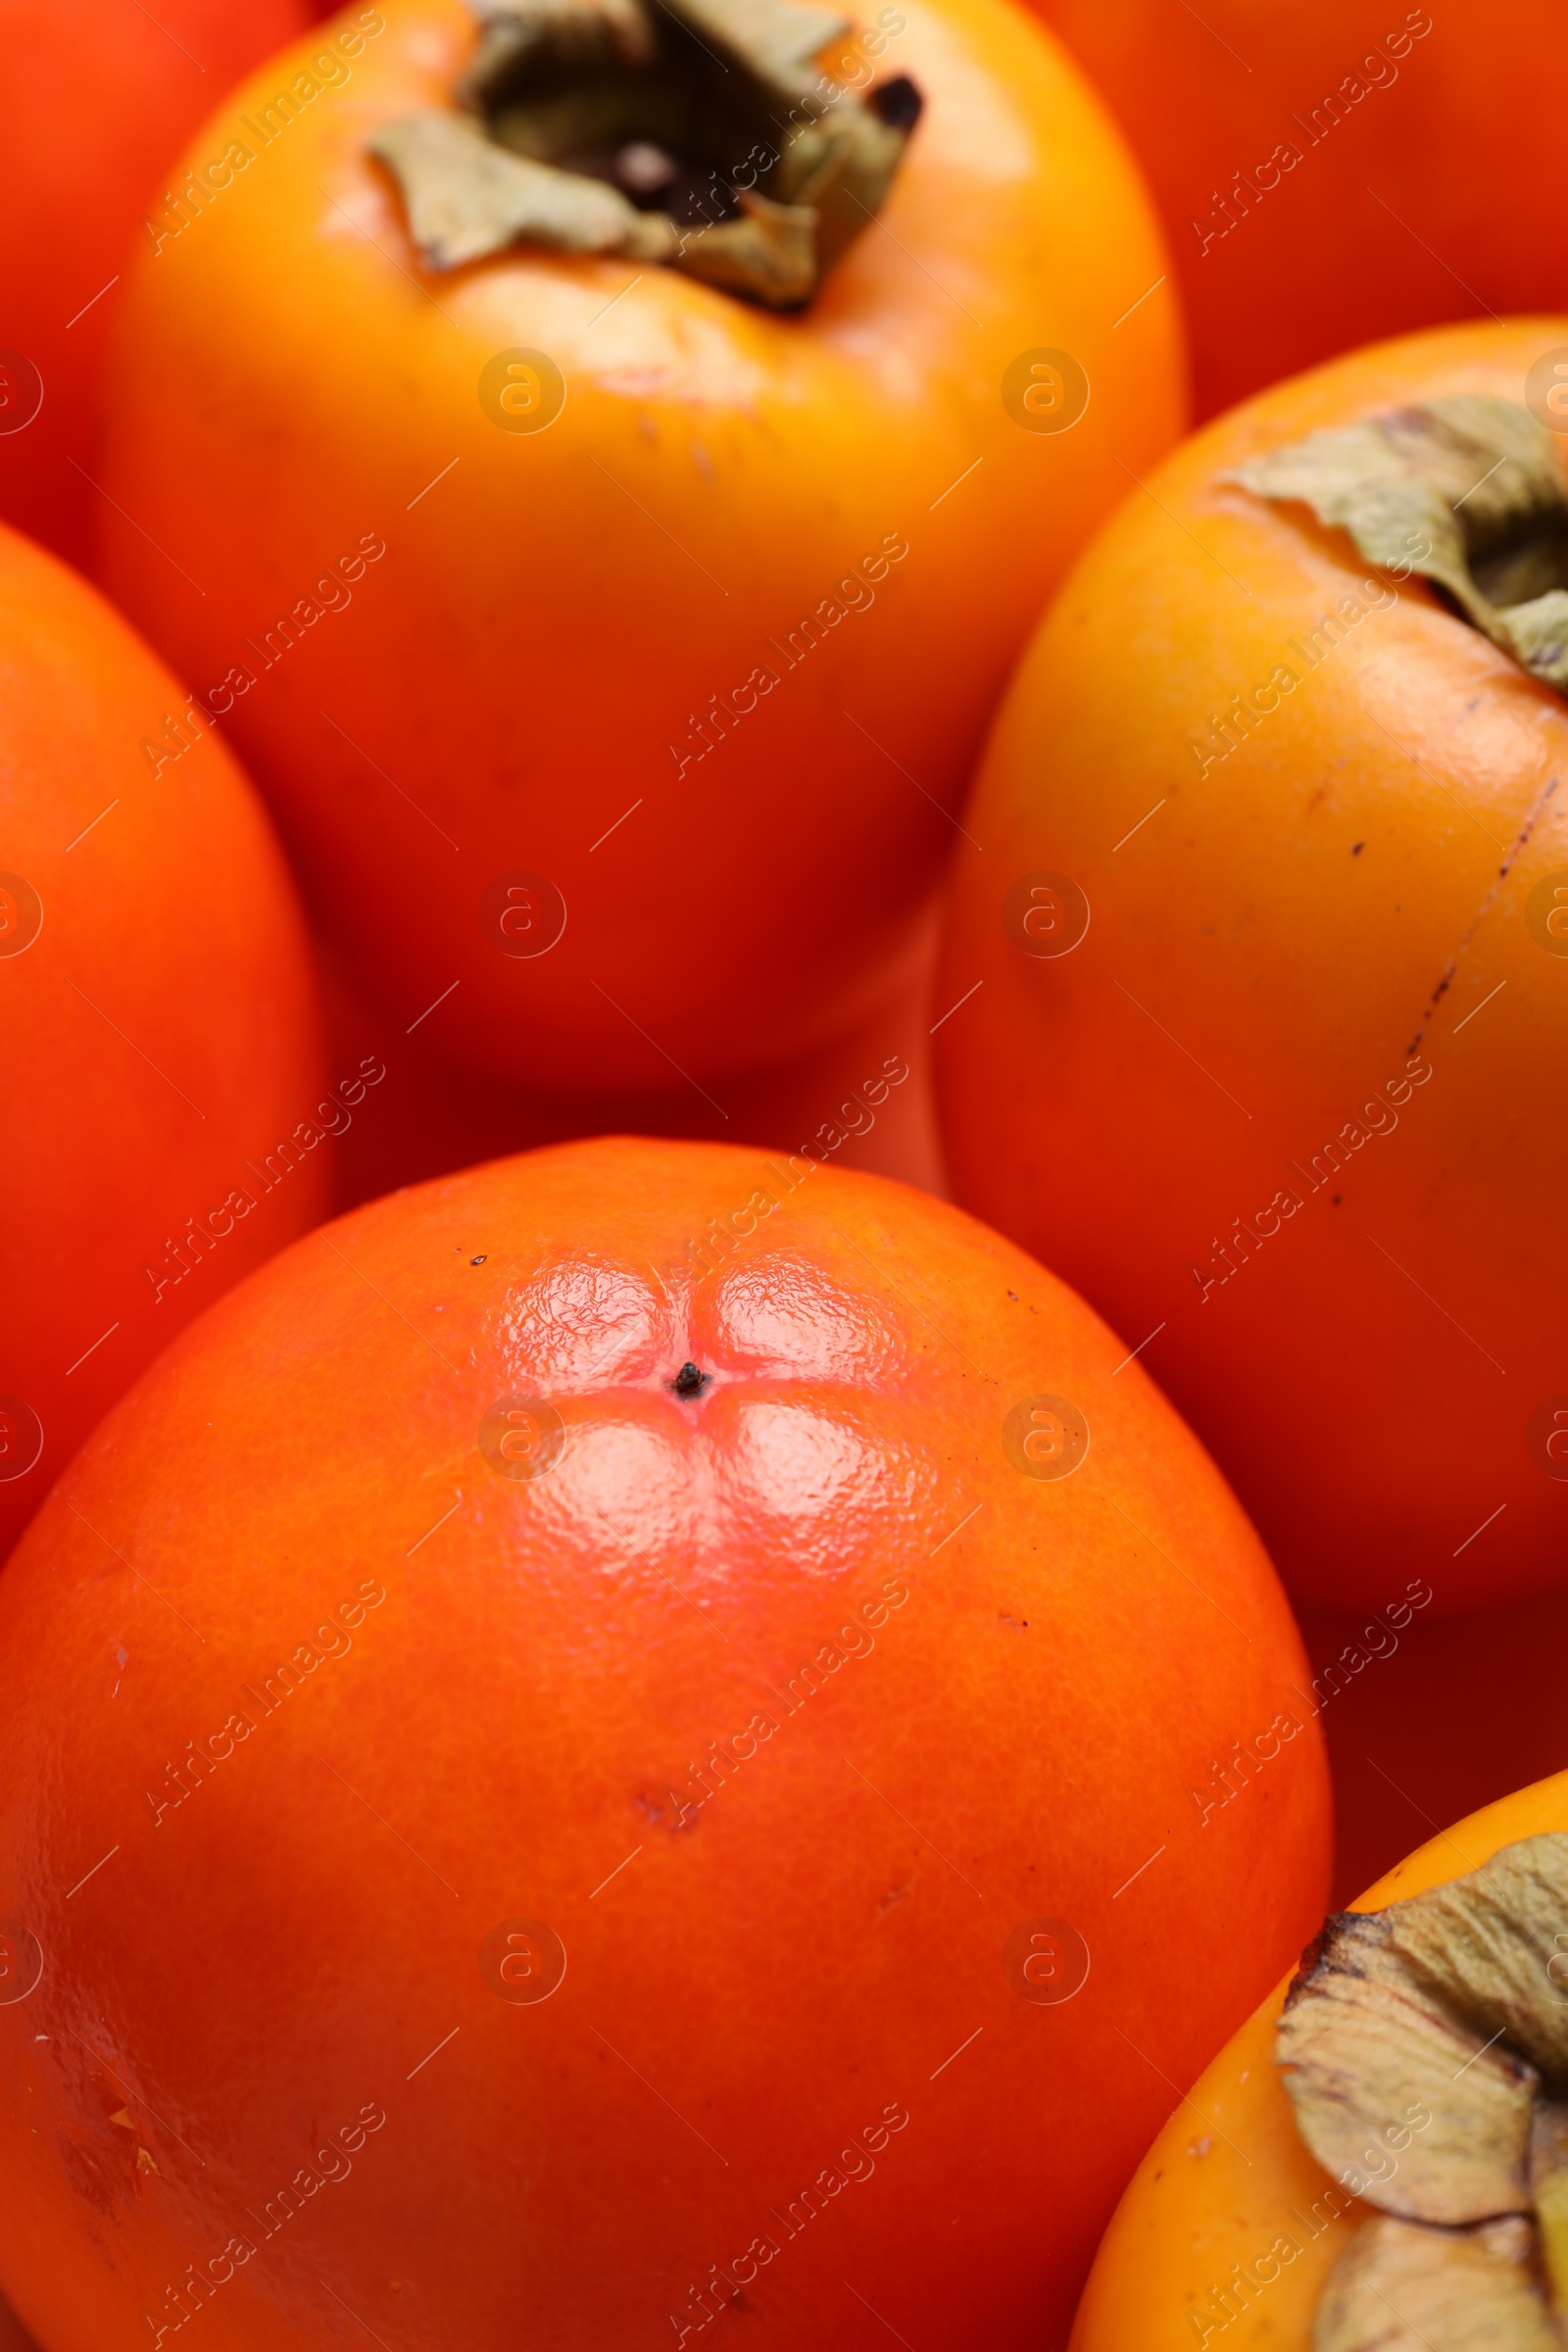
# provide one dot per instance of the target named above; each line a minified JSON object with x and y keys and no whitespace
{"x":1357,"y":847}
{"x":479,"y":1260}
{"x":689,"y":1381}
{"x":1338,"y":1197}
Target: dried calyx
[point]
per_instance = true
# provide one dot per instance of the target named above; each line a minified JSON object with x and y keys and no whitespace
{"x":1464,"y":490}
{"x":1425,"y":2050}
{"x":695,"y":133}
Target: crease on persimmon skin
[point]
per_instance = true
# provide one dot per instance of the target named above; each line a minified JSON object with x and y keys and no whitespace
{"x":752,"y":1472}
{"x":778,"y":1316}
{"x":749,"y":1460}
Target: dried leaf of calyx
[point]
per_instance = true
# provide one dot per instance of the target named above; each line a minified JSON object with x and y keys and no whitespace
{"x":1425,"y":2052}
{"x":1464,"y":490}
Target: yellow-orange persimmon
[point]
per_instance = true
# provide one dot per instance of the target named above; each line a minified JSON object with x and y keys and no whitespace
{"x":1230,"y":2229}
{"x":642,"y":745}
{"x":1266,"y":974}
{"x":159,"y":1054}
{"x":632,"y":1747}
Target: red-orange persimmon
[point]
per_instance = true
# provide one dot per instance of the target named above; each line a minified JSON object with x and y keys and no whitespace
{"x":600,"y":1796}
{"x":159,"y":1057}
{"x":99,"y":97}
{"x":1330,"y":175}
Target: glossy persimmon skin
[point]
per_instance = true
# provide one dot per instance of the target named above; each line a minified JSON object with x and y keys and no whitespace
{"x":515,"y":685}
{"x":100,"y":98}
{"x":1271,"y":942}
{"x":158,"y":1020}
{"x":1230,"y":2177}
{"x":1395,"y":215}
{"x":1027,"y":1673}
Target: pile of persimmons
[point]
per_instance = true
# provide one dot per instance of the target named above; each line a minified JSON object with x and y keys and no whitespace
{"x":784,"y":1341}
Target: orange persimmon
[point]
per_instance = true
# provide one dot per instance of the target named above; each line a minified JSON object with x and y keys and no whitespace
{"x":630,"y":1720}
{"x":1333,"y":174}
{"x":635,"y":754}
{"x":160,"y":1051}
{"x":1263,"y":978}
{"x":101,"y":95}
{"x":1231,"y":2229}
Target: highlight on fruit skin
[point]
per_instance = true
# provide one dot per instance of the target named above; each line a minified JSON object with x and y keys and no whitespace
{"x":1376,"y":2162}
{"x":629,"y":1719}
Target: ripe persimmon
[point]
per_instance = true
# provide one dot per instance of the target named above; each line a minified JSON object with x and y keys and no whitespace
{"x":637,"y":754}
{"x":626,"y":1766}
{"x":1234,"y":2235}
{"x":1272,"y":927}
{"x":100,"y":98}
{"x":159,"y":1051}
{"x":1330,"y":175}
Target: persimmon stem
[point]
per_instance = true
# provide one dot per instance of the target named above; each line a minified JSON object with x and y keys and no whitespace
{"x":698,"y":134}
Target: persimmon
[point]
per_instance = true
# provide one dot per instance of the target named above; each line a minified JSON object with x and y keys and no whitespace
{"x":160,"y":1053}
{"x":1327,"y":175}
{"x":641,"y":746}
{"x":100,"y":98}
{"x":1436,"y":2189}
{"x":1270,"y":967}
{"x":701,"y":1655}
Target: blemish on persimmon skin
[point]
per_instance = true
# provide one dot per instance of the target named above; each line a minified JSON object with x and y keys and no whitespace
{"x":690,"y":1380}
